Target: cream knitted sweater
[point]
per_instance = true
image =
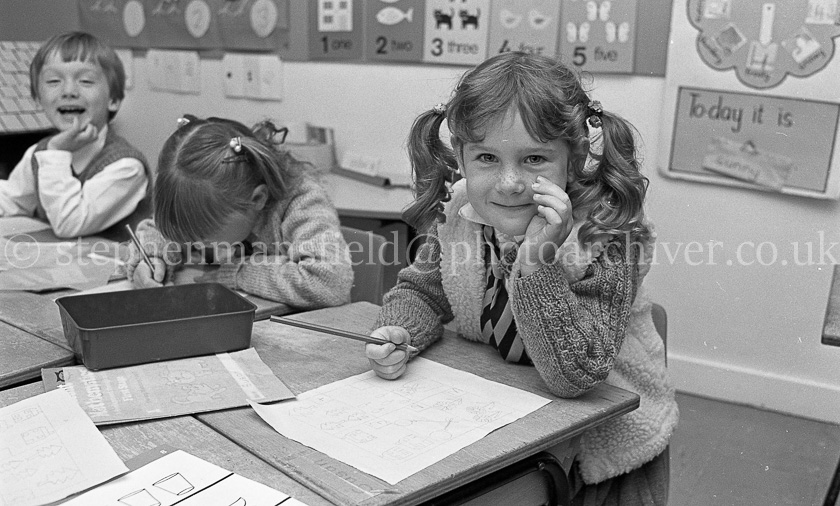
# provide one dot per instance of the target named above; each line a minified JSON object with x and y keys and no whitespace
{"x":300,"y":257}
{"x":583,"y":320}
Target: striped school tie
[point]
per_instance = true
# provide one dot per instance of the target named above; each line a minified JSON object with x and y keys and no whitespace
{"x":497,"y":324}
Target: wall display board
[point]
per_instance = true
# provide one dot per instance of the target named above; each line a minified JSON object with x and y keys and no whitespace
{"x":524,"y":25}
{"x":599,"y":36}
{"x":750,"y":97}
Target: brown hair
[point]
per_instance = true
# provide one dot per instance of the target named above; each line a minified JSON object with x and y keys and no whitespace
{"x":201,"y":180}
{"x":553,"y":104}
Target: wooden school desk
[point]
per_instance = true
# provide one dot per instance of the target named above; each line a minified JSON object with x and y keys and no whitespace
{"x":31,"y":335}
{"x":305,"y":360}
{"x":22,"y":355}
{"x":188,"y":434}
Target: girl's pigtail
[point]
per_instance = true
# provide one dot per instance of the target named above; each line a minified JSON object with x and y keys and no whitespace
{"x":622,"y":187}
{"x":433,"y":165}
{"x":269,"y":163}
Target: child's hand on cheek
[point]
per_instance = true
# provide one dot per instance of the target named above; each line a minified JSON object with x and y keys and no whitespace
{"x":75,"y":137}
{"x":548,"y":229}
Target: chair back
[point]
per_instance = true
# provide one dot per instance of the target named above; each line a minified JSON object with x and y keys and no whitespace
{"x":368,"y":270}
{"x":660,"y":322}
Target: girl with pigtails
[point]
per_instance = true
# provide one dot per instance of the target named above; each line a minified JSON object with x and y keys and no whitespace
{"x":226,"y":194}
{"x":537,"y":244}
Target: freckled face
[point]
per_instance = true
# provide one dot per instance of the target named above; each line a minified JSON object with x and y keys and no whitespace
{"x":501,"y":168}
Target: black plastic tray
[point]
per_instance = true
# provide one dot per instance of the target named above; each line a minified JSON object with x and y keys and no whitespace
{"x":116,"y":329}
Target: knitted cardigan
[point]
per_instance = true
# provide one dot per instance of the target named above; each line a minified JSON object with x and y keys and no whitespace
{"x":300,"y":257}
{"x":583,"y":320}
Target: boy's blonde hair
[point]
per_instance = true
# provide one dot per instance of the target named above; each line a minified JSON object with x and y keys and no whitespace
{"x":81,"y":46}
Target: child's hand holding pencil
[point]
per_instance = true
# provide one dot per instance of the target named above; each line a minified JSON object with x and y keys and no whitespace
{"x":387,"y":348}
{"x":389,"y":360}
{"x":150,"y":272}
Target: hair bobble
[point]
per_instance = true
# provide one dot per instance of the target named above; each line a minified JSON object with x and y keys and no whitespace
{"x":596,"y":138}
{"x":236,"y":144}
{"x":182,"y":122}
{"x":439,"y":109}
{"x":595,"y":112}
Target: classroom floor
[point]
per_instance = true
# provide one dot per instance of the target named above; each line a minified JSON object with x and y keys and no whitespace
{"x":731,"y":455}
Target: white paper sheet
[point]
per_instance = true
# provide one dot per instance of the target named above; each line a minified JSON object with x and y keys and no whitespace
{"x":393,"y":429}
{"x":49,"y":449}
{"x":181,"y":478}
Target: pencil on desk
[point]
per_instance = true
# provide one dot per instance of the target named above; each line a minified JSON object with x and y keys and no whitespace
{"x":136,"y":242}
{"x":340,"y":333}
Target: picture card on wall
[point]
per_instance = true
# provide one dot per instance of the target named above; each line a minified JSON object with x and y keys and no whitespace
{"x":524,"y":25}
{"x":176,"y":71}
{"x":182,"y":24}
{"x":253,"y":25}
{"x":120,"y":23}
{"x":335,"y":30}
{"x":456,"y":32}
{"x":394,"y":30}
{"x":599,"y":36}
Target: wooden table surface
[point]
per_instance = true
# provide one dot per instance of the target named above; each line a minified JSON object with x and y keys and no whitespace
{"x":356,"y":199}
{"x":305,"y":360}
{"x":239,"y":440}
{"x":188,"y":434}
{"x":22,"y":355}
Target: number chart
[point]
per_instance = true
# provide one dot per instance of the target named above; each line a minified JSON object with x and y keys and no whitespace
{"x":594,"y":35}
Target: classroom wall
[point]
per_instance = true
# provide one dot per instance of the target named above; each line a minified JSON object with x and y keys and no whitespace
{"x":747,"y":333}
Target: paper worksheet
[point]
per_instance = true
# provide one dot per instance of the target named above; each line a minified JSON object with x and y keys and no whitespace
{"x":169,"y":388}
{"x":49,"y":449}
{"x":39,"y":261}
{"x":393,"y":429}
{"x":185,"y":479}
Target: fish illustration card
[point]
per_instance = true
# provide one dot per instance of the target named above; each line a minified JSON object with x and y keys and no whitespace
{"x":120,"y":23}
{"x":524,"y":25}
{"x":599,"y":36}
{"x":170,"y":388}
{"x":335,"y":30}
{"x":49,"y":449}
{"x":456,"y":32}
{"x":181,"y":478}
{"x":253,"y":25}
{"x":394,"y":30}
{"x":183,"y":24}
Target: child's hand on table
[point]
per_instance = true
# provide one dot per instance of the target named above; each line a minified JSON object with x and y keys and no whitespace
{"x":548,"y":229}
{"x":385,"y":359}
